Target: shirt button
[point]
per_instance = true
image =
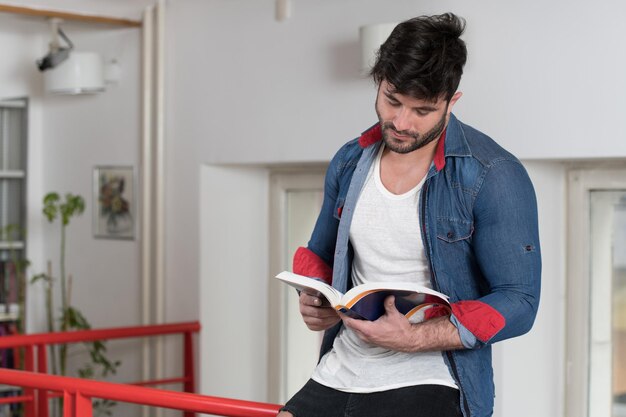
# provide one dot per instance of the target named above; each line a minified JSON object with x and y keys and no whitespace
{"x":450,"y":235}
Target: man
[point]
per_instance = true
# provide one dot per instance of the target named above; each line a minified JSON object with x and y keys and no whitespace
{"x":420,"y":197}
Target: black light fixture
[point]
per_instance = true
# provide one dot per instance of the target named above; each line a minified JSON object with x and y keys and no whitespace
{"x":56,"y":53}
{"x":67,"y":71}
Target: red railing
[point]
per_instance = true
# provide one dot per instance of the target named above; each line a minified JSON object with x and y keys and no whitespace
{"x":78,"y":393}
{"x":34,"y":345}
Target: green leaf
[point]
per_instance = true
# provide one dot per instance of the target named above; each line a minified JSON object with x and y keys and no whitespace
{"x":50,"y":206}
{"x":40,"y":277}
{"x":74,"y":205}
{"x":74,"y":319}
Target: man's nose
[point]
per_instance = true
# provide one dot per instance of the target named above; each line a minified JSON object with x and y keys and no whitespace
{"x":402,"y":120}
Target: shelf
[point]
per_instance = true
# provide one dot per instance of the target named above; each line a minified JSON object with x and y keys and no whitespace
{"x":12,"y":315}
{"x":11,"y":245}
{"x":48,"y":14}
{"x":4,"y":317}
{"x":12,"y":174}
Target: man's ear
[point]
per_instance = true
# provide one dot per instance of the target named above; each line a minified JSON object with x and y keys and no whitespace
{"x":453,"y":100}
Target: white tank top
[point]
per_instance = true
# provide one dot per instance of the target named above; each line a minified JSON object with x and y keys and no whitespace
{"x":385,"y":235}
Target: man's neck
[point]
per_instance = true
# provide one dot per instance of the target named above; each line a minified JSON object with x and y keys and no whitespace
{"x":400,"y":173}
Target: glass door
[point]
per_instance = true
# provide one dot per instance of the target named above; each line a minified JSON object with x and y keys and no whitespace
{"x":595,"y":379}
{"x":607,"y":342}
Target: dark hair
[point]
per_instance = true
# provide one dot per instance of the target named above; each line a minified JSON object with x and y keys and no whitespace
{"x":423,"y":57}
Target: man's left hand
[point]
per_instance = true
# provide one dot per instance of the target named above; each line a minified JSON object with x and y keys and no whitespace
{"x":392,"y":330}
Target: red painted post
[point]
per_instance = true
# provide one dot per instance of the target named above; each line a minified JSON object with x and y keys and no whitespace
{"x":188,"y":365}
{"x":29,"y":365}
{"x":42,"y":394}
{"x":68,"y":405}
{"x":83,"y":407}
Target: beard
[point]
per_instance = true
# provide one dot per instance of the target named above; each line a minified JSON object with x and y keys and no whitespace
{"x":416,"y":141}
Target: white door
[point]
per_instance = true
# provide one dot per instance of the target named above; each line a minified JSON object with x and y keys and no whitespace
{"x":295,"y":202}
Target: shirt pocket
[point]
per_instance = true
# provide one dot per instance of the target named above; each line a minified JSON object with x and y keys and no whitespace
{"x":454,"y":230}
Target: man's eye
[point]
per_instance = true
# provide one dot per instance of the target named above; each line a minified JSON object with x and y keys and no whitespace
{"x":422,"y":112}
{"x":393,"y":102}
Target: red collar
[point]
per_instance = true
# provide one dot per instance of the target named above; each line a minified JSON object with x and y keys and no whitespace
{"x":374,"y":134}
{"x":440,"y":152}
{"x":371,"y":136}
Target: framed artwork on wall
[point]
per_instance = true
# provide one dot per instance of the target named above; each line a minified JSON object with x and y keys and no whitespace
{"x":114,"y":202}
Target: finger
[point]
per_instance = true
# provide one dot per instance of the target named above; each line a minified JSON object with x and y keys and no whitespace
{"x":354,"y":324}
{"x":310,"y":300}
{"x":317,"y":324}
{"x":359,"y":327}
{"x":390,"y":305}
{"x":318,"y":312}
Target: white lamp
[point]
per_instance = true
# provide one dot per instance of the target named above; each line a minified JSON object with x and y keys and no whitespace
{"x":81,"y":73}
{"x":371,"y":37}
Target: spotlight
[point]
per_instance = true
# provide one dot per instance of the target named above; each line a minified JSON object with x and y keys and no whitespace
{"x":57,"y":53}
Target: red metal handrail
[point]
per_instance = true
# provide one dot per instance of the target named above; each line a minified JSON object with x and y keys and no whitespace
{"x":35,"y":347}
{"x":78,"y":394}
{"x":77,"y":336}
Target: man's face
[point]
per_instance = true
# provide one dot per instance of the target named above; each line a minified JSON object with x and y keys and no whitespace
{"x":409,"y":123}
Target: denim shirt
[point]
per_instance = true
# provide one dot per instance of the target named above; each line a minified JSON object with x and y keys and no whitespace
{"x":478,"y":216}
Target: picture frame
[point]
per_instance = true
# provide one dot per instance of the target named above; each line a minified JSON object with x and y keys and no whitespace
{"x":114,"y":202}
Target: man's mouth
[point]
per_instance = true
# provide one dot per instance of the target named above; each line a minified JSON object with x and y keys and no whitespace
{"x":401,"y":135}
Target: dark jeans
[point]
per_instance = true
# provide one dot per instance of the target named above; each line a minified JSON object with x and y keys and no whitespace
{"x":316,"y":400}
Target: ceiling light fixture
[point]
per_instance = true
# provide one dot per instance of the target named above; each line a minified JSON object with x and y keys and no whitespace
{"x":67,"y":71}
{"x":56,"y":53}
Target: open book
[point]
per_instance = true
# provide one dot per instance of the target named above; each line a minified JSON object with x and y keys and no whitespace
{"x":366,"y":301}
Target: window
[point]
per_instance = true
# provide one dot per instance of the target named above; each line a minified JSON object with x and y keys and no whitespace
{"x":12,"y":202}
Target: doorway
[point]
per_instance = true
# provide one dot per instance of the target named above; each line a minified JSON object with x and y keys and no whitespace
{"x":596,"y":358}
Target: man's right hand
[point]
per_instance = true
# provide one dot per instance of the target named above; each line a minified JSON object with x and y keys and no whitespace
{"x":316,"y":314}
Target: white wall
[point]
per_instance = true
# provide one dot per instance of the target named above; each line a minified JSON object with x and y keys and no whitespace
{"x":535,"y":74}
{"x":68,"y":136}
{"x":532,"y":366}
{"x":21,"y":41}
{"x":81,"y":132}
{"x":233,"y":297}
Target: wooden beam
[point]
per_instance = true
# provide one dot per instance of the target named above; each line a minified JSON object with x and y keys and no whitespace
{"x":28,"y":11}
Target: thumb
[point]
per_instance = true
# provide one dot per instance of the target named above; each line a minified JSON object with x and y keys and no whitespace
{"x":390,"y":305}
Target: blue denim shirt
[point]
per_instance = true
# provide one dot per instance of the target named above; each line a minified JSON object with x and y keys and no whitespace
{"x":478,"y":215}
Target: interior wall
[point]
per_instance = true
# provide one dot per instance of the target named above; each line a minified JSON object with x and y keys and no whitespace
{"x":21,"y":40}
{"x":68,"y":136}
{"x":533,"y":366}
{"x":234,"y":299}
{"x":261,"y":91}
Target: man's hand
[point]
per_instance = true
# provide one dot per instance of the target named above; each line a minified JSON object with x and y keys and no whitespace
{"x":315,"y":314}
{"x":394,"y":331}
